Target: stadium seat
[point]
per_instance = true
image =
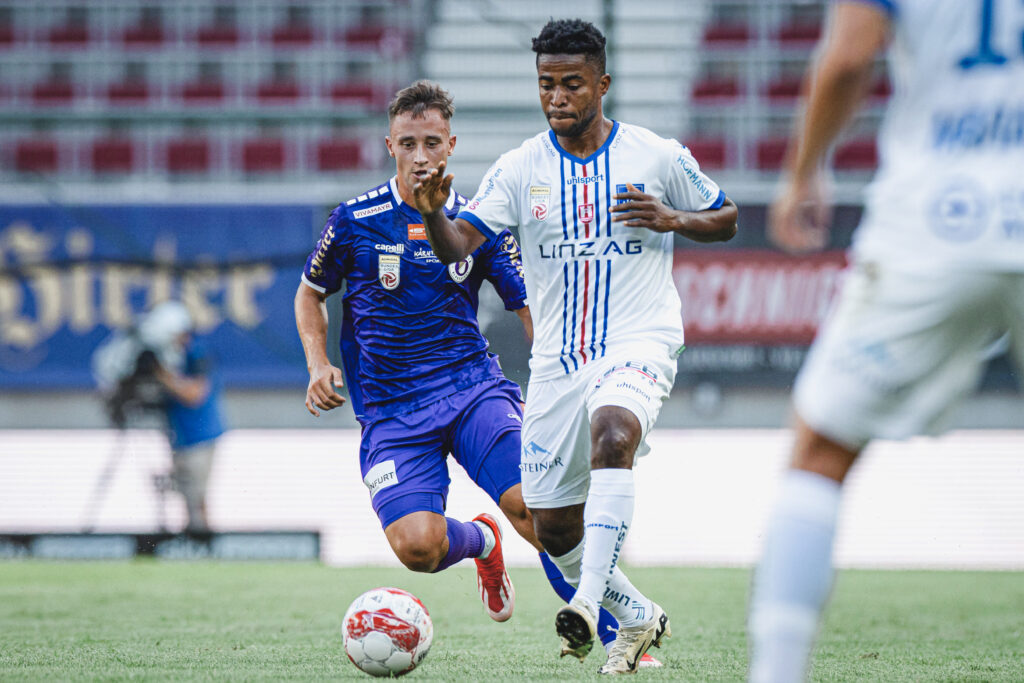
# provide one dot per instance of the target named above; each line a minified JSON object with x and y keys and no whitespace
{"x":856,"y":155}
{"x":881,"y":89}
{"x":339,"y":154}
{"x":799,"y":32}
{"x":770,"y":153}
{"x":69,"y":36}
{"x":53,"y":92}
{"x":223,"y":31}
{"x":202,"y":92}
{"x":6,"y":35}
{"x":112,"y":155}
{"x":128,"y":92}
{"x":264,"y":155}
{"x":727,"y":32}
{"x":278,"y":92}
{"x":709,"y":152}
{"x":384,"y":39}
{"x":716,"y":89}
{"x":349,"y":92}
{"x":36,"y":156}
{"x":188,"y":155}
{"x":784,"y":88}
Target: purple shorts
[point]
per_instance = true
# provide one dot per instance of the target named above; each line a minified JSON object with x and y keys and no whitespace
{"x":404,"y":459}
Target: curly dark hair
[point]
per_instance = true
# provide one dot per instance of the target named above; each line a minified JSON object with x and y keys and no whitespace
{"x":418,"y":98}
{"x":572,"y":37}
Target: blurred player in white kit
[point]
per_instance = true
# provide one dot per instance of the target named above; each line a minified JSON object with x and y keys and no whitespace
{"x":937,"y":271}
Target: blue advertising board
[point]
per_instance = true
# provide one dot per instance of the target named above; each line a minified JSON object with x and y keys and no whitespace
{"x":69,"y":275}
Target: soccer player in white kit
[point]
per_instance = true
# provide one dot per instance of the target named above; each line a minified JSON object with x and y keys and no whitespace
{"x":937,"y":271}
{"x":596,"y":203}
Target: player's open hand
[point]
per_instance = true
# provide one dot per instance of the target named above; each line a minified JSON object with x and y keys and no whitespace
{"x":323,"y":380}
{"x":798,"y":219}
{"x":641,"y":210}
{"x":431,"y":192}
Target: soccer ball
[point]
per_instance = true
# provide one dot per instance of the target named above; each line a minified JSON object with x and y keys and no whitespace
{"x":387,"y":632}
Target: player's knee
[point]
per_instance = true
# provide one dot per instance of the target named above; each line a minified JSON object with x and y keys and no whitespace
{"x":614,"y":446}
{"x":816,"y":453}
{"x":418,"y":554}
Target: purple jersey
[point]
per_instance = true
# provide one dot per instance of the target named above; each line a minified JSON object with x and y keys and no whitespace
{"x":409,"y":334}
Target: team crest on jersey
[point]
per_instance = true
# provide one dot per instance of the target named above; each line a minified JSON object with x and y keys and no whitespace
{"x":539,"y":195}
{"x":389,"y":270}
{"x":460,"y":269}
{"x":585,"y":212}
{"x":623,"y":188}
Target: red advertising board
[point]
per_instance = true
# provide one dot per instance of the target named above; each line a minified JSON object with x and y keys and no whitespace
{"x":754,"y":296}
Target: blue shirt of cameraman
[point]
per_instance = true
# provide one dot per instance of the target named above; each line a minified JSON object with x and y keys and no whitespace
{"x":193,"y":425}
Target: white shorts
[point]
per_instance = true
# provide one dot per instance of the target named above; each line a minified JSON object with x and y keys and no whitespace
{"x":900,"y":349}
{"x":555,"y":462}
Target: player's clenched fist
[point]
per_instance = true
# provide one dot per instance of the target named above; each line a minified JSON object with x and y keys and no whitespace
{"x":321,"y":393}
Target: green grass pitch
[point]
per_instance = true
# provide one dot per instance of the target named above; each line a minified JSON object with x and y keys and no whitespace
{"x":149,"y":620}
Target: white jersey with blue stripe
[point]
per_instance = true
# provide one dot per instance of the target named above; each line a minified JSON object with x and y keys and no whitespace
{"x":949,"y":191}
{"x":593,"y":285}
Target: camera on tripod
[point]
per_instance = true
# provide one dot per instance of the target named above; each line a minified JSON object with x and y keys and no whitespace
{"x":127,"y":364}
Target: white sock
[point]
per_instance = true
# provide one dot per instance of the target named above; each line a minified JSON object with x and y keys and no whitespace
{"x":489,"y":540}
{"x":569,"y":564}
{"x":794,"y":577}
{"x":606,"y":520}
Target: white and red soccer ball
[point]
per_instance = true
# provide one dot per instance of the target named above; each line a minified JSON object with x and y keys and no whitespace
{"x":387,"y":632}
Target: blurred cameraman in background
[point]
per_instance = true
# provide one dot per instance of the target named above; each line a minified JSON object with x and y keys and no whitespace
{"x":159,"y":367}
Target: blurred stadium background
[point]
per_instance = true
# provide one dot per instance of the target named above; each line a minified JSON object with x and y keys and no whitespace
{"x":193,"y":148}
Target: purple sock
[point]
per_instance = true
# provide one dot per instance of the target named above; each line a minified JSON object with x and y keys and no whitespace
{"x":465,"y":539}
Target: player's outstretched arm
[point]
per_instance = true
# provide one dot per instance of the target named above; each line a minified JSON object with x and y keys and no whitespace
{"x":311,"y":321}
{"x":641,"y":210}
{"x":799,"y":217}
{"x":451,"y":240}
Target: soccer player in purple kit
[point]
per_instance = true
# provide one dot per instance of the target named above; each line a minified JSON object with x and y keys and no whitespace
{"x":419,"y":376}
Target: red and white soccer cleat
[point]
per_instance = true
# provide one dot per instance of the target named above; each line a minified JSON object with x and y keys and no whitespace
{"x":649,"y":662}
{"x":496,"y":588}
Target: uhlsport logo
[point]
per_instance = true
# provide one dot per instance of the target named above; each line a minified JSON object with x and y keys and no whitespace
{"x":459,"y":270}
{"x":389,"y":270}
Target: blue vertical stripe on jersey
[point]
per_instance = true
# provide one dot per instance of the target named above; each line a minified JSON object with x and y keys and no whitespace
{"x":565,"y":224}
{"x":597,"y":297}
{"x":565,"y":314}
{"x":575,"y":206}
{"x":608,"y":189}
{"x":607,"y":295}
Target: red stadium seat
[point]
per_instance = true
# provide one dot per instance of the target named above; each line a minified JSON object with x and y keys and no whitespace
{"x":857,"y":155}
{"x":203,"y":92}
{"x":384,"y":39}
{"x":881,"y":89}
{"x":217,"y":35}
{"x":716,"y":89}
{"x":36,"y":156}
{"x":189,"y":155}
{"x":336,"y":154}
{"x":263,"y":156}
{"x":278,"y":91}
{"x":355,"y":93}
{"x":293,"y":34}
{"x":53,"y":92}
{"x":770,"y":153}
{"x":784,"y":88}
{"x":727,"y":32}
{"x":709,"y":152}
{"x":144,"y":36}
{"x":69,"y":36}
{"x":129,"y":92}
{"x":113,"y":155}
{"x":6,"y":36}
{"x":799,"y":32}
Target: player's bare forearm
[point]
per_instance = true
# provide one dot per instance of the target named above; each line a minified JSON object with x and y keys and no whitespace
{"x":191,"y":391}
{"x":712,"y":225}
{"x":451,"y":240}
{"x":527,"y":320}
{"x":311,"y":322}
{"x":838,"y":83}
